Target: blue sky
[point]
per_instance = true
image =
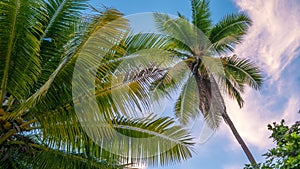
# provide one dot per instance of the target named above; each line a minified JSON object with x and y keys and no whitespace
{"x":273,"y":42}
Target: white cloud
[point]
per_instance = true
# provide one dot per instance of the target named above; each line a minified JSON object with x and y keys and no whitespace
{"x":275,"y":35}
{"x":273,"y":43}
{"x":251,"y":121}
{"x":292,"y":107}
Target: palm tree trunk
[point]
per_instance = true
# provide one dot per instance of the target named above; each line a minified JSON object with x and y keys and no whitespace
{"x":238,"y":138}
{"x":205,"y":96}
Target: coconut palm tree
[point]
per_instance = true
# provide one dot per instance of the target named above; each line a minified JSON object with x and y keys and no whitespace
{"x":204,"y":70}
{"x":41,"y":42}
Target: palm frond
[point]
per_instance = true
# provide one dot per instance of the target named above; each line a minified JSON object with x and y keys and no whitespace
{"x":142,"y":41}
{"x":242,"y":71}
{"x":173,"y":28}
{"x":229,"y":32}
{"x":234,"y":90}
{"x":37,"y":155}
{"x":171,"y":82}
{"x":166,"y":142}
{"x":129,"y":89}
{"x":56,"y":159}
{"x":20,"y":64}
{"x":154,"y":140}
{"x":151,"y":140}
{"x":187,"y":105}
{"x":126,"y":93}
{"x":60,"y":80}
{"x":201,"y":15}
{"x":191,"y":38}
{"x":64,"y":28}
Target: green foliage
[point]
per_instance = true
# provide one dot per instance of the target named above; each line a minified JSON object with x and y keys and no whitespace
{"x":41,"y":42}
{"x":201,"y":15}
{"x":286,"y":153}
{"x":199,"y":43}
{"x":238,"y":72}
{"x":203,"y":47}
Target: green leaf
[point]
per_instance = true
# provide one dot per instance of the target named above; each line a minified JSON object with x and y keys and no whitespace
{"x":19,"y":30}
{"x":241,"y":71}
{"x":187,"y":105}
{"x":229,"y":32}
{"x":201,"y":15}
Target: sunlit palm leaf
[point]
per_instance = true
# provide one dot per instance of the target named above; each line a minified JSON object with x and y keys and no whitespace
{"x":187,"y":105}
{"x":201,"y":15}
{"x":61,"y":78}
{"x":142,"y":41}
{"x":178,"y":29}
{"x":19,"y":31}
{"x":60,"y":26}
{"x":229,"y":32}
{"x":242,"y":71}
{"x":150,"y":140}
{"x":154,"y":140}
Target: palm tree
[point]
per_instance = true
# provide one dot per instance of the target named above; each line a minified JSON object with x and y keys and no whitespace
{"x":201,"y":75}
{"x":40,"y":42}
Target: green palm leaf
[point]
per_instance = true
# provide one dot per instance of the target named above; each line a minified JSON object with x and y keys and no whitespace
{"x":201,"y":15}
{"x":60,"y":80}
{"x":60,"y":26}
{"x":187,"y":105}
{"x":229,"y":32}
{"x":124,"y":95}
{"x":151,"y":140}
{"x":33,"y":155}
{"x":154,"y":140}
{"x":19,"y":30}
{"x":56,"y":159}
{"x":184,"y":36}
{"x":243,"y":71}
{"x":142,"y":41}
{"x":179,"y":29}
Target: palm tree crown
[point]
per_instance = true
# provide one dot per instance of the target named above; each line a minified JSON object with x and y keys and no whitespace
{"x":203,"y":48}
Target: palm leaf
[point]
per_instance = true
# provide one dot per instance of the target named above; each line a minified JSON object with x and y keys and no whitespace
{"x":184,"y":36}
{"x":151,"y":140}
{"x":187,"y":105}
{"x":61,"y":78}
{"x":142,"y":41}
{"x":201,"y":15}
{"x":60,"y":26}
{"x":242,"y":71}
{"x":178,"y":29}
{"x":20,"y":64}
{"x":234,"y":90}
{"x":172,"y":81}
{"x":124,"y":94}
{"x":238,"y":73}
{"x":229,"y":31}
{"x":36,"y":155}
{"x":56,"y":159}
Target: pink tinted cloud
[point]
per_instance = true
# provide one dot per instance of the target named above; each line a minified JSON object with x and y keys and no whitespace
{"x":274,"y":38}
{"x":273,"y":43}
